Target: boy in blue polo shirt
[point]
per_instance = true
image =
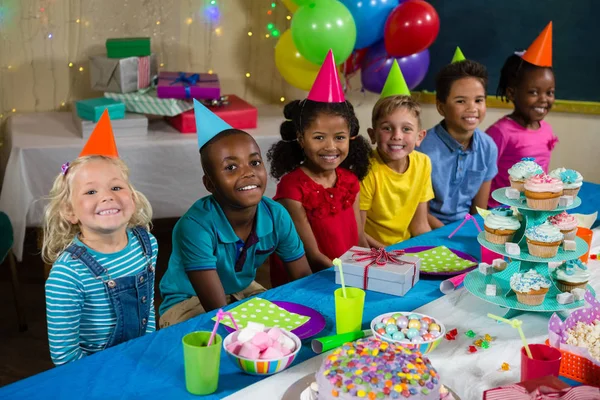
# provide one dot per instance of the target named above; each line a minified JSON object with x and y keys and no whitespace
{"x":223,"y":238}
{"x":463,"y":158}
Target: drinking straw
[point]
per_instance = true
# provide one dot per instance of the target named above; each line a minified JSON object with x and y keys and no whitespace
{"x":338,"y":263}
{"x":467,"y":218}
{"x":220,"y":315}
{"x":515,"y":323}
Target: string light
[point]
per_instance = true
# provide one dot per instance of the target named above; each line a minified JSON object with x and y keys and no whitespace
{"x":218,"y":31}
{"x":269,"y":12}
{"x":70,"y":65}
{"x":162,"y":64}
{"x":249,"y":33}
{"x":62,"y":104}
{"x":210,"y":71}
{"x":189,"y":21}
{"x":282,"y":99}
{"x":14,"y":110}
{"x":49,"y":36}
{"x":275,"y":33}
{"x":288,"y":17}
{"x":247,"y":74}
{"x":78,"y":20}
{"x":157,"y":22}
{"x":80,"y":69}
{"x":10,"y":67}
{"x":273,"y":5}
{"x":267,"y":36}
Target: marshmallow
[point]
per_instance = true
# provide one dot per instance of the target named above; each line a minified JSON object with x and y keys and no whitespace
{"x":552,"y":265}
{"x":271,"y":353}
{"x":250,"y":351}
{"x":485,"y":269}
{"x":274,"y":333}
{"x":499,"y":264}
{"x":246,"y":335}
{"x":578,"y":294}
{"x":512,"y":193}
{"x":564,"y":298}
{"x":490,"y":290}
{"x":569,"y":245}
{"x":286,"y":342}
{"x":512,"y":249}
{"x":285,"y":351}
{"x":258,"y":327}
{"x":261,"y":340}
{"x":234,"y":347}
{"x":565,"y":201}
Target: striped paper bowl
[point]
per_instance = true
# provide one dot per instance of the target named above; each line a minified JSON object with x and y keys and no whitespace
{"x":263,"y":367}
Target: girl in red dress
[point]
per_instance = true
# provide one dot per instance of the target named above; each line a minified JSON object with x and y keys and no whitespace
{"x":319,"y":163}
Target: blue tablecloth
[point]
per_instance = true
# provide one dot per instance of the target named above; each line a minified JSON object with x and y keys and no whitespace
{"x":152,"y":366}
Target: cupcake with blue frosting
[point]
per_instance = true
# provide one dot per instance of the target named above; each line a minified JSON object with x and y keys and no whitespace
{"x":500,"y":225}
{"x":571,"y":179}
{"x":530,"y":287}
{"x":543,"y":240}
{"x":523,"y":170}
{"x":571,"y":275}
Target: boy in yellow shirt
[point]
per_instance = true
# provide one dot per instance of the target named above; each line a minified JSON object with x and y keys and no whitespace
{"x":395,"y":193}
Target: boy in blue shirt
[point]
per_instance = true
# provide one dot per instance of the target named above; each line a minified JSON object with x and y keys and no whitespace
{"x":223,"y":238}
{"x":463,"y":158}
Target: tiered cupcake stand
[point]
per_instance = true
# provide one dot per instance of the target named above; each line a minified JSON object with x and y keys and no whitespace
{"x":476,"y":282}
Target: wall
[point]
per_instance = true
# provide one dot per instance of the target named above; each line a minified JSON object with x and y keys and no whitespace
{"x":40,"y":38}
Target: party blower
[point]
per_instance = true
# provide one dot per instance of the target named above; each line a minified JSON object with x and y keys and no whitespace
{"x":324,"y":344}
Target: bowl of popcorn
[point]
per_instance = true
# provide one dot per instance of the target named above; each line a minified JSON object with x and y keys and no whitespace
{"x":412,"y":330}
{"x":260,"y":350}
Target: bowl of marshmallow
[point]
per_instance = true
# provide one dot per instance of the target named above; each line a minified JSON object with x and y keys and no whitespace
{"x":412,"y":330}
{"x":260,"y":350}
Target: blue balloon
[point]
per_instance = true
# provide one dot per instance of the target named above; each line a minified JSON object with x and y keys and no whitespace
{"x":369,"y":17}
{"x":376,"y":65}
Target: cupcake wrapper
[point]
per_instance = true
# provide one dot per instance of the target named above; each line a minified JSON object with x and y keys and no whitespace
{"x":568,"y":286}
{"x":571,"y":192}
{"x":520,"y":186}
{"x":530,"y":299}
{"x":569,"y":235}
{"x":542,"y":251}
{"x":498,"y":239}
{"x":543,"y":204}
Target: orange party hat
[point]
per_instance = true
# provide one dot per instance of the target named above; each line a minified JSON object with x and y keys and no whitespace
{"x":102,"y":140}
{"x":327,"y":87}
{"x":540,"y":51}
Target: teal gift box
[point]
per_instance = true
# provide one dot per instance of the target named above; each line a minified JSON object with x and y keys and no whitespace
{"x":92,"y":109}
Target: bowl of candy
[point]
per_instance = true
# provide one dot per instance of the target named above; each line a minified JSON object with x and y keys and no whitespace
{"x":260,"y":350}
{"x":410,"y":329}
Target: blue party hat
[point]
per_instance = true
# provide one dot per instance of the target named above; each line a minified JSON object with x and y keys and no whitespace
{"x":208,"y":124}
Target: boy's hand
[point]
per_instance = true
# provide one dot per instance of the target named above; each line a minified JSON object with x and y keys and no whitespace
{"x":420,"y":222}
{"x":208,"y":288}
{"x":434,"y":222}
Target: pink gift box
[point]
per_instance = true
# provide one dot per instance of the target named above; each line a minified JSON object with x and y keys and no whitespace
{"x":183,"y":85}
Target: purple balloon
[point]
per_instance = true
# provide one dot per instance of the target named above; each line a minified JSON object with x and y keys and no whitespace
{"x":376,"y":66}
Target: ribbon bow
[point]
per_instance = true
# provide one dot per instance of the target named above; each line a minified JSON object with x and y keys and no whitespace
{"x":187,"y":81}
{"x":220,"y":102}
{"x":528,"y":159}
{"x":379,"y":258}
{"x":64,"y":168}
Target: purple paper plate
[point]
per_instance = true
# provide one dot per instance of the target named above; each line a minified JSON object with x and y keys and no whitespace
{"x":314,"y":325}
{"x":418,"y":249}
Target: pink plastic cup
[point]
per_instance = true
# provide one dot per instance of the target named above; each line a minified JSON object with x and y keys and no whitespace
{"x":545,"y":361}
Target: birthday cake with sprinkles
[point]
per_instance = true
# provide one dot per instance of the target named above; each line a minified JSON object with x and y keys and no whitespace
{"x":374,"y":369}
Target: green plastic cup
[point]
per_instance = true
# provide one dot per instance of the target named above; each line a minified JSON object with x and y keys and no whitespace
{"x":201,"y":362}
{"x":349,"y":310}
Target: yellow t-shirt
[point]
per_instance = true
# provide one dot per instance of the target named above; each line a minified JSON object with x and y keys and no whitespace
{"x":391,"y":199}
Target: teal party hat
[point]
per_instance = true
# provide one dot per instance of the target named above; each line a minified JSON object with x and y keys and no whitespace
{"x":208,"y":124}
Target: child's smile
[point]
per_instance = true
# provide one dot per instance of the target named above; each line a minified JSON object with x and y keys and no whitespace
{"x":533,"y":97}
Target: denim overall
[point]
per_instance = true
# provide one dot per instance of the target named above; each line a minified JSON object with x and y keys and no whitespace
{"x":129,"y":295}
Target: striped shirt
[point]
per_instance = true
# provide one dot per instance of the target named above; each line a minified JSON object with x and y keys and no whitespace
{"x":80,"y":315}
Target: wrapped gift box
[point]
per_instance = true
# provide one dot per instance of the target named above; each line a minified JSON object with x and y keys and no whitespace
{"x":128,"y":47}
{"x":133,"y":125}
{"x":548,"y":387}
{"x":182,"y":85}
{"x":237,"y":112}
{"x":92,"y":109}
{"x":122,"y":75}
{"x":147,"y":102}
{"x":396,"y":277}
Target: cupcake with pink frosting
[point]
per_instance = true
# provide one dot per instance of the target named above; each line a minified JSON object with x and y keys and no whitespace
{"x":543,"y":191}
{"x":567,"y":224}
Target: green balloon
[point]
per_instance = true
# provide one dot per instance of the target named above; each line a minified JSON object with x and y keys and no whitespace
{"x":301,"y":3}
{"x":322,"y":25}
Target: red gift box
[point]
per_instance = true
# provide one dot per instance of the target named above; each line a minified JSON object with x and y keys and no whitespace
{"x":546,"y":388}
{"x":237,"y":112}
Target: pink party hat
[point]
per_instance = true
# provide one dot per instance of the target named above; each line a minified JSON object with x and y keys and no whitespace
{"x":327,"y":87}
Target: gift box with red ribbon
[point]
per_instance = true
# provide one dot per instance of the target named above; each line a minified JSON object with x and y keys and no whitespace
{"x":183,"y":85}
{"x":235,"y":111}
{"x":379,"y":270}
{"x":546,"y":388}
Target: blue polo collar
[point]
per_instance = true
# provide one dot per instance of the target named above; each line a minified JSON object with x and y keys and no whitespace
{"x":451,"y":143}
{"x":263,"y":223}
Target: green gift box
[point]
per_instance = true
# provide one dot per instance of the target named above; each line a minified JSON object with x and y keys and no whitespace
{"x":92,"y":109}
{"x":146,"y":102}
{"x":128,"y":47}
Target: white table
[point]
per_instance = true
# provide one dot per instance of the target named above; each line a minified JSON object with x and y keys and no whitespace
{"x":165,"y":165}
{"x":469,"y":375}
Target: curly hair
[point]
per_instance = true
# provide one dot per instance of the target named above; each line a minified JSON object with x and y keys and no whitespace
{"x":58,"y":231}
{"x":512,"y":73}
{"x":287,"y":154}
{"x":455,"y":71}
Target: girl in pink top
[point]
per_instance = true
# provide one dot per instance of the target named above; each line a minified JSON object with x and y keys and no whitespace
{"x":523,"y":133}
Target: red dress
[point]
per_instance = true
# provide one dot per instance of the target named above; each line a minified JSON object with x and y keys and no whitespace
{"x":330,"y":214}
